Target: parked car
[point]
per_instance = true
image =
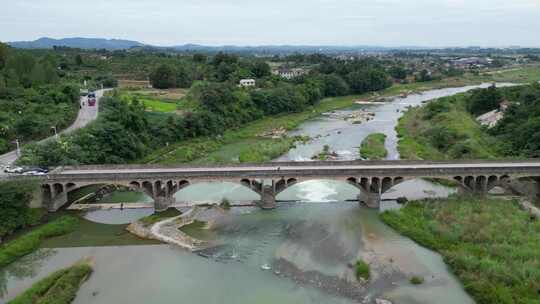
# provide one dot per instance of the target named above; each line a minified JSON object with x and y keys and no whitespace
{"x":10,"y":169}
{"x":34,"y":173}
{"x":38,"y":169}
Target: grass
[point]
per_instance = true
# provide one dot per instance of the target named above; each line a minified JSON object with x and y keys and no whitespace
{"x":416,"y":280}
{"x":150,"y":220}
{"x":490,"y":244}
{"x":372,"y":146}
{"x":362,"y":270}
{"x":32,"y":240}
{"x":161,"y":101}
{"x":92,"y":234}
{"x":58,"y":288}
{"x":421,"y":131}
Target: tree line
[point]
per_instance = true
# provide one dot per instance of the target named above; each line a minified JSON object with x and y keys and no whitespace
{"x":125,"y":132}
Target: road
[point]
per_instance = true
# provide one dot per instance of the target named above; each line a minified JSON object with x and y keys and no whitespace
{"x":86,"y":115}
{"x":307,"y":166}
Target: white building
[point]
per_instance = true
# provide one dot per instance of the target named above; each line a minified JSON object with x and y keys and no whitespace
{"x":290,"y":73}
{"x":247,"y":83}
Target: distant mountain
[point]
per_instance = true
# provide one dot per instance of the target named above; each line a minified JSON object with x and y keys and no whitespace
{"x":82,"y":43}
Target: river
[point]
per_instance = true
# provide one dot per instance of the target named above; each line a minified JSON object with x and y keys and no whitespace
{"x":307,"y":244}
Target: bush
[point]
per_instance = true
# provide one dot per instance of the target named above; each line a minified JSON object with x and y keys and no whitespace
{"x":415,"y":280}
{"x":225,"y":204}
{"x":362,"y":270}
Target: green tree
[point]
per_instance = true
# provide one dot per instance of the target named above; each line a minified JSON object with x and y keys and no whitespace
{"x":15,"y":197}
{"x":260,"y":69}
{"x":334,"y":85}
{"x":163,"y":77}
{"x":78,"y":60}
{"x":484,"y":100}
{"x":3,"y":55}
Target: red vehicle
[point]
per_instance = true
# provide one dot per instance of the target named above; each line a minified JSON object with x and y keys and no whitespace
{"x":91,"y":102}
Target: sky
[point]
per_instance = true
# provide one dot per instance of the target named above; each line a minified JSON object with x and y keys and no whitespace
{"x":435,"y":23}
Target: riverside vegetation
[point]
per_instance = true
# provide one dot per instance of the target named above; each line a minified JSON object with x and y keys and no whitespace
{"x":447,"y":129}
{"x":490,"y":244}
{"x":372,"y":147}
{"x":58,"y":288}
{"x":28,"y":224}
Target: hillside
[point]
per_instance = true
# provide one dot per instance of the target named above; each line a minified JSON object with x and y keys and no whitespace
{"x":82,"y":43}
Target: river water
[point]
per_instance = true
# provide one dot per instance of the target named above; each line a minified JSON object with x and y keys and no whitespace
{"x":307,"y":245}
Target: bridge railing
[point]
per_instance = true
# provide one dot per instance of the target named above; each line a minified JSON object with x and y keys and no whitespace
{"x":296,"y":164}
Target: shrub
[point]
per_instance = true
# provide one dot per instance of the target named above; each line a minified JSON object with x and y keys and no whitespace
{"x":416,"y":280}
{"x":362,"y":270}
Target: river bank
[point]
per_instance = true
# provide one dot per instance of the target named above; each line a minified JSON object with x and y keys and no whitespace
{"x":245,"y":144}
{"x":467,"y":232}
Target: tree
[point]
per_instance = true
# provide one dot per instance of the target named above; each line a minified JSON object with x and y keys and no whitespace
{"x":15,"y":213}
{"x":334,"y":85}
{"x":78,"y":60}
{"x":164,"y":77}
{"x":199,"y":58}
{"x":184,"y":78}
{"x":3,"y":55}
{"x":484,"y":100}
{"x":260,"y":69}
{"x":398,"y":72}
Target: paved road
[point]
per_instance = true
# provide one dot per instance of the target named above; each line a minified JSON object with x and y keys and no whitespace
{"x":308,"y":166}
{"x":85,"y":116}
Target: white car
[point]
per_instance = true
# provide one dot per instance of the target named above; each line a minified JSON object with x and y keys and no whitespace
{"x":13,"y":170}
{"x":34,"y":173}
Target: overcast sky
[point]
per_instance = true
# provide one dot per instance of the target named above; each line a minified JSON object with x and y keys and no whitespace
{"x":257,"y":22}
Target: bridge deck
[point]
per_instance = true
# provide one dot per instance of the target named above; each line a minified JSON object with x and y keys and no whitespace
{"x":302,"y":166}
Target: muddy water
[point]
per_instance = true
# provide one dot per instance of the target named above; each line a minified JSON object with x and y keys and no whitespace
{"x":307,"y":245}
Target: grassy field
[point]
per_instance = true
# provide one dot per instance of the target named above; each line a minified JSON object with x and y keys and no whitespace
{"x":160,"y":101}
{"x":452,"y":133}
{"x":372,"y":146}
{"x":58,"y":288}
{"x":32,"y":240}
{"x":490,"y":244}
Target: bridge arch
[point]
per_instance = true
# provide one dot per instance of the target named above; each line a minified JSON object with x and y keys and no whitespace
{"x":254,"y":186}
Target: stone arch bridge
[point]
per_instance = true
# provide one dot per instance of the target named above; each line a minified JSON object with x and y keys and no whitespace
{"x":372,"y":178}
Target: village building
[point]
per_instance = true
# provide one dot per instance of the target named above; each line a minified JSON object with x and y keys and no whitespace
{"x":247,"y":83}
{"x":290,"y":73}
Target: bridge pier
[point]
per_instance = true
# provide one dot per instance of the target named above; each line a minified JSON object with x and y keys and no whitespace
{"x":268,"y":198}
{"x":370,"y":199}
{"x":56,"y":202}
{"x":162,"y":203}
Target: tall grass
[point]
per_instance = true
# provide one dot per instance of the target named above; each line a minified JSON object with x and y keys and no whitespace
{"x":58,"y":288}
{"x":30,"y":241}
{"x":491,"y":245}
{"x":372,"y":146}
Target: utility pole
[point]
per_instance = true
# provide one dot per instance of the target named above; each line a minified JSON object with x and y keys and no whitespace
{"x":18,"y":152}
{"x":55,"y":132}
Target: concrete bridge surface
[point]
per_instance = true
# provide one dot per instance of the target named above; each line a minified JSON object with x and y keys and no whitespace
{"x":372,"y":178}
